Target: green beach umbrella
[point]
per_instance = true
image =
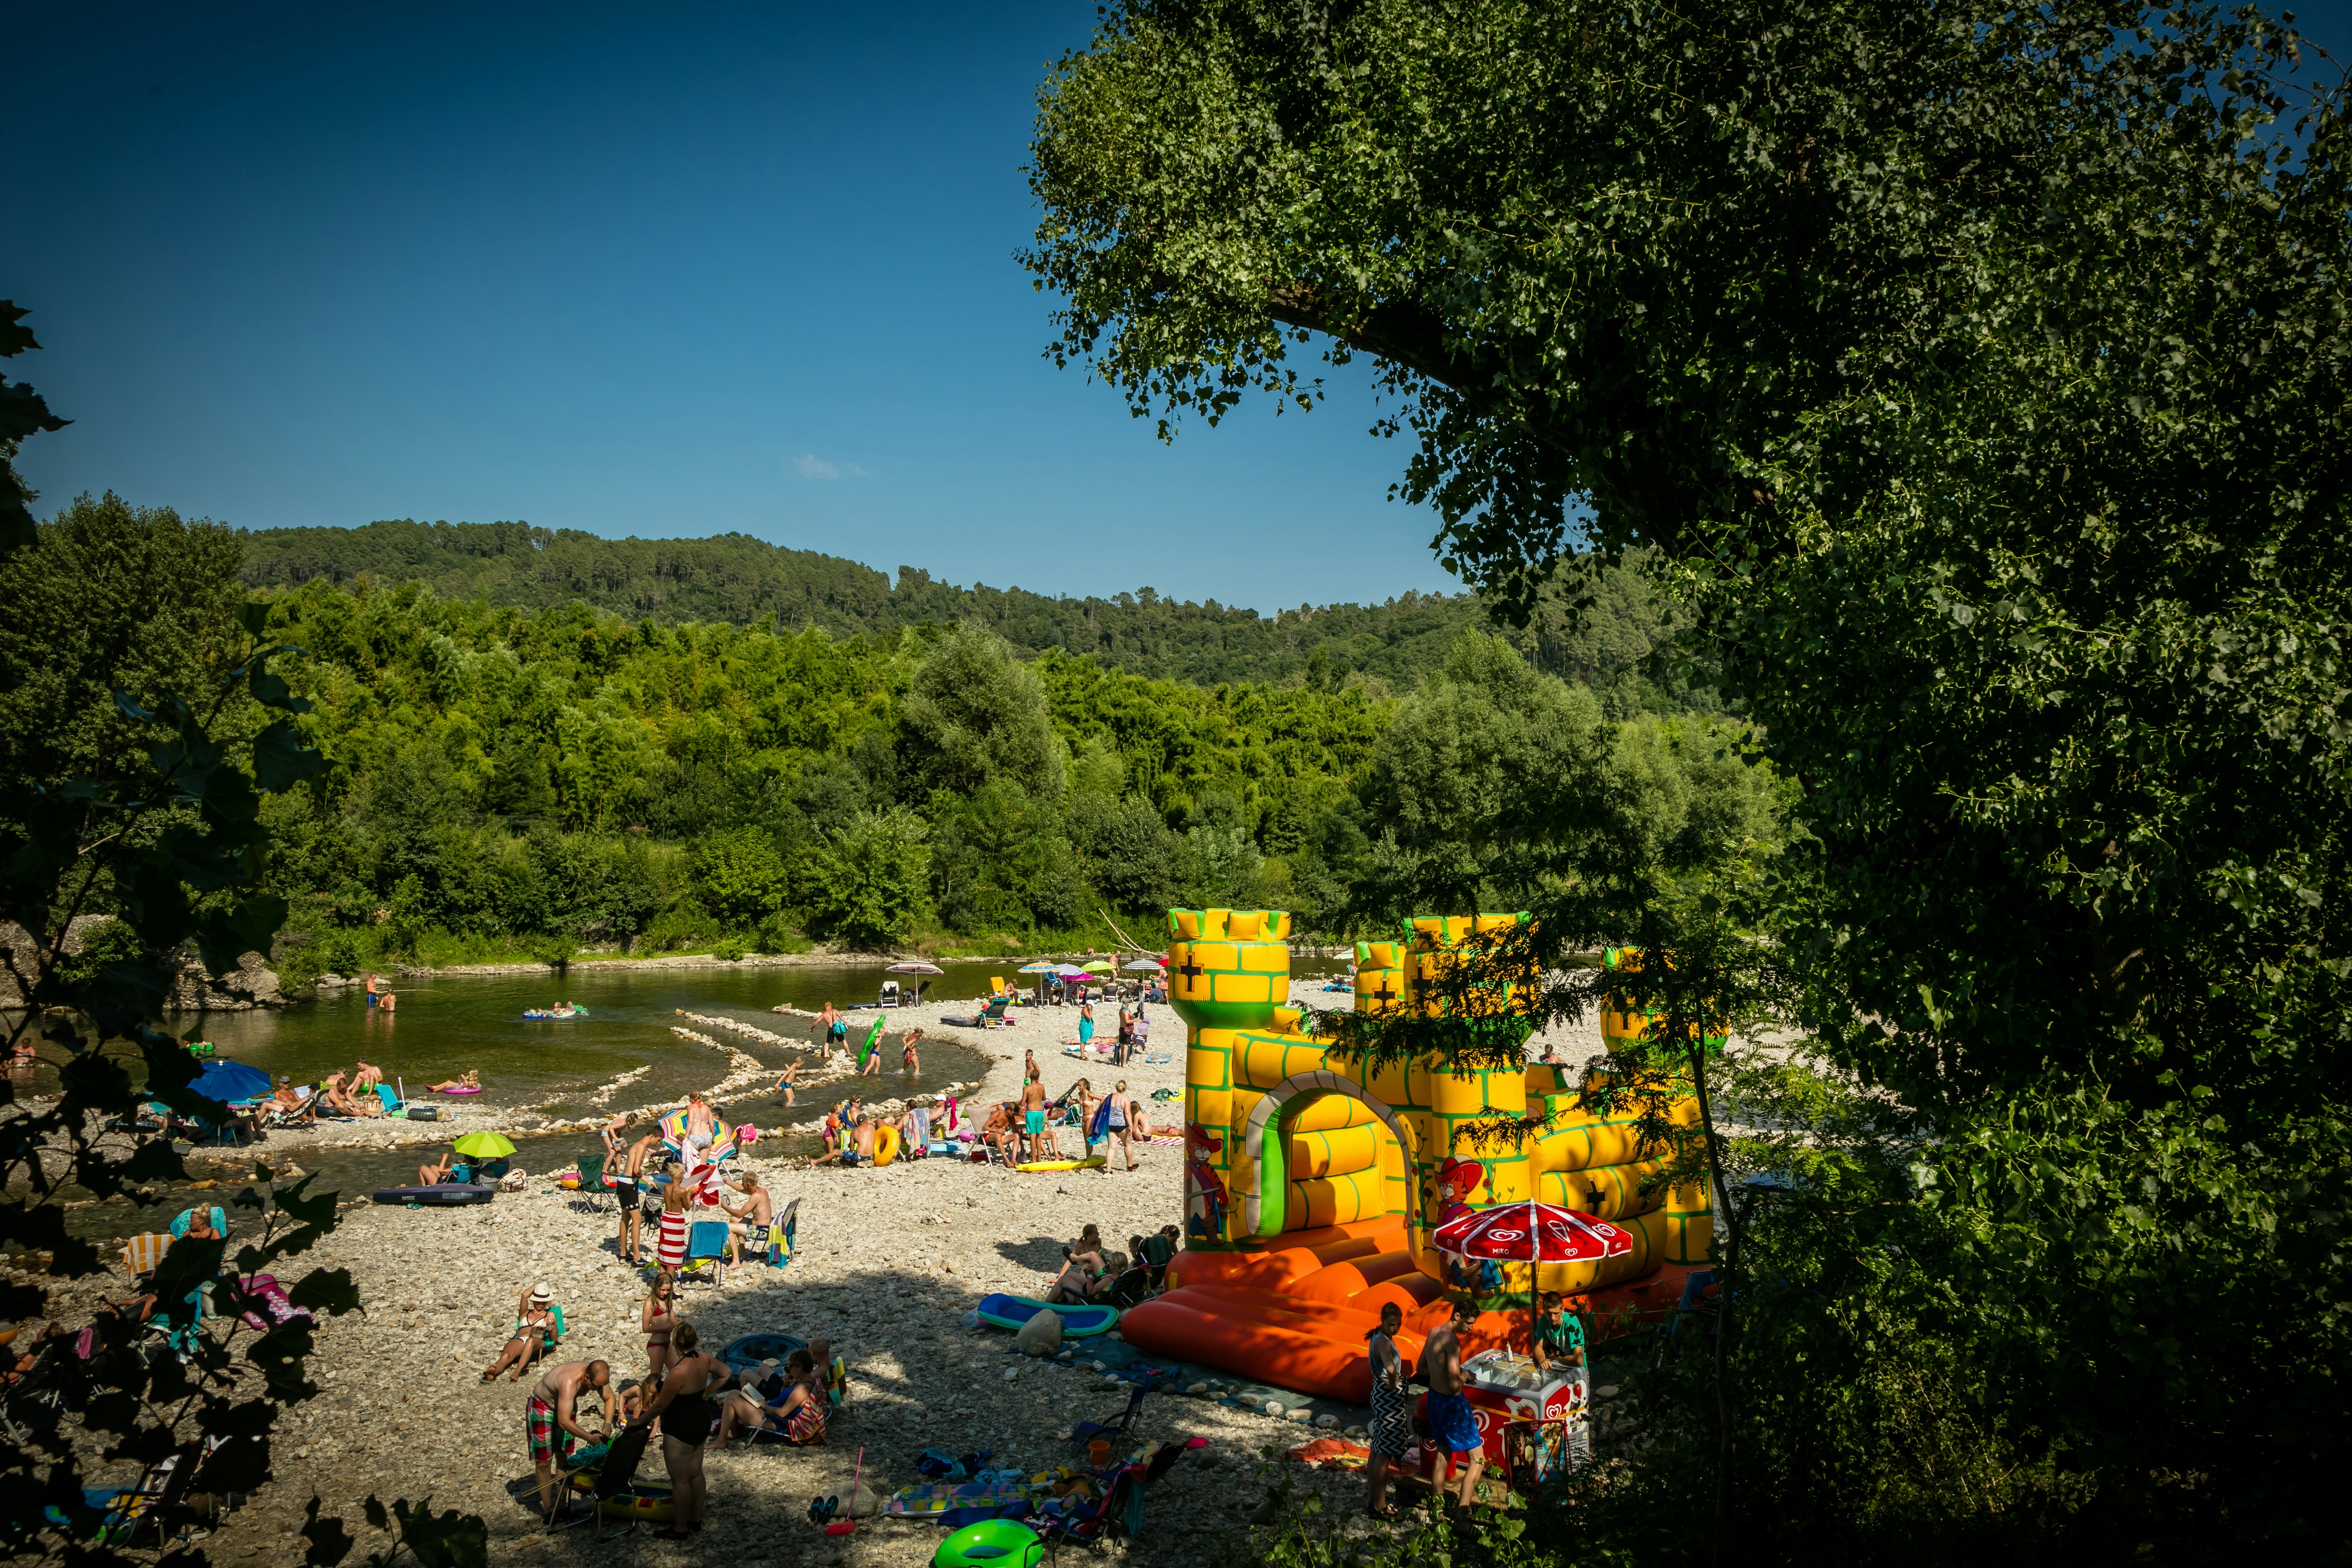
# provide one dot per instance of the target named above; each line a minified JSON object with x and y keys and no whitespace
{"x":484,"y":1146}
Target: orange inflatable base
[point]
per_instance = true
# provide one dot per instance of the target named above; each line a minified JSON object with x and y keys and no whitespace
{"x":1294,"y":1313}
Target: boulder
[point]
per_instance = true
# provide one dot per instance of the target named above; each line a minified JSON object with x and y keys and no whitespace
{"x":1041,"y":1335}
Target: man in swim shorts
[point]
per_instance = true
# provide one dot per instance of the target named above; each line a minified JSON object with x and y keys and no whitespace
{"x":747,"y":1227}
{"x":551,"y":1419}
{"x":1453,"y":1425}
{"x":1033,"y":1116}
{"x":626,"y":1182}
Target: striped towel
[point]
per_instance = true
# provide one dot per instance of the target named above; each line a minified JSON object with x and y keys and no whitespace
{"x":670,"y":1249}
{"x":142,"y":1253}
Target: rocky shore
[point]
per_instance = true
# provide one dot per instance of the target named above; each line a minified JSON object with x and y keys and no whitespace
{"x":889,"y":1260}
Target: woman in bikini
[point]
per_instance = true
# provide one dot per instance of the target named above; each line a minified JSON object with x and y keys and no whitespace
{"x":534,"y":1331}
{"x":683,"y":1407}
{"x":659,"y":1318}
{"x":471,"y":1081}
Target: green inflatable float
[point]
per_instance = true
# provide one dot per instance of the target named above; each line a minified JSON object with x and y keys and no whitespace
{"x":991,"y":1543}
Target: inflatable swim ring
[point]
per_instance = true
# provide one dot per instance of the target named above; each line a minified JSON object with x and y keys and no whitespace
{"x":885,"y":1144}
{"x":1092,"y":1162}
{"x":991,"y":1543}
{"x":1079,"y":1320}
{"x":441,"y":1195}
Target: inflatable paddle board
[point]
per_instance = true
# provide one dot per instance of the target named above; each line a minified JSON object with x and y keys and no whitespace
{"x":1078,"y":1323}
{"x":442,"y":1195}
{"x":1092,"y":1163}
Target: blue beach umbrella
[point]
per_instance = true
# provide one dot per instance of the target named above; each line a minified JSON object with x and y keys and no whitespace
{"x":228,"y":1081}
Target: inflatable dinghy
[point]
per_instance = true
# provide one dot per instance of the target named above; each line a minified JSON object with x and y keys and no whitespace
{"x":548,"y":1013}
{"x":748,"y":1351}
{"x":1078,"y":1323}
{"x":442,"y":1194}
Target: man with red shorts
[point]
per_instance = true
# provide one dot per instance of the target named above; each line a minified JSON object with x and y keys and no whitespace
{"x":551,"y":1419}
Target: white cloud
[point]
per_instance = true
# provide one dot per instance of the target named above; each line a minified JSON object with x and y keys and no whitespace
{"x":810,"y":467}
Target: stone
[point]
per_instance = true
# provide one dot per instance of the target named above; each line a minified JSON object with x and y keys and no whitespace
{"x":1328,"y":1423}
{"x":1197,"y":1389}
{"x":1609,"y":1393}
{"x":1273,"y":1407}
{"x":1041,"y":1335}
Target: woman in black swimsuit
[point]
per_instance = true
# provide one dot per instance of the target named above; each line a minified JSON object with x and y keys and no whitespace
{"x":684,"y":1408}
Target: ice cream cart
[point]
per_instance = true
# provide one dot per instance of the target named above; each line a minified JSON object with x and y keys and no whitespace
{"x":1504,"y":1387}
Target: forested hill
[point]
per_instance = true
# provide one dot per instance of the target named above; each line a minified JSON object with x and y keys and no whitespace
{"x":736,"y":578}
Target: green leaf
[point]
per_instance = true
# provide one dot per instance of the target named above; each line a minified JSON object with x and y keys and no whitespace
{"x":280,"y":760}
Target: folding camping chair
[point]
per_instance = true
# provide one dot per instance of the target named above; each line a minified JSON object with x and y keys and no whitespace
{"x":1119,"y":1510}
{"x":1119,"y":1424}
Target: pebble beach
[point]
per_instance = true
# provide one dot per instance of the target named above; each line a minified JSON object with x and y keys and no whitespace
{"x":887,"y":1263}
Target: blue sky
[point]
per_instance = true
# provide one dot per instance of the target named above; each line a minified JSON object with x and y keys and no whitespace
{"x":724,"y":268}
{"x":709,"y":269}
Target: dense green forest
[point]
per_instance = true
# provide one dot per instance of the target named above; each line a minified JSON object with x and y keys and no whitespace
{"x":503,"y":780}
{"x":736,"y":579}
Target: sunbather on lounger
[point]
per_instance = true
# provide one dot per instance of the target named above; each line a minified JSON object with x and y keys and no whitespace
{"x":287,"y":1106}
{"x":534,"y":1331}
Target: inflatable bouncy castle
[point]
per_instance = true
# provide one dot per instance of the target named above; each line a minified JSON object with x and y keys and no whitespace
{"x":1314,"y":1187}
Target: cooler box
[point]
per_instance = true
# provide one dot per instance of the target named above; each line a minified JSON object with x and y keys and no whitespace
{"x":1504,"y":1387}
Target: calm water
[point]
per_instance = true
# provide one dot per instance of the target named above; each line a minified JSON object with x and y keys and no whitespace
{"x":445,"y":1025}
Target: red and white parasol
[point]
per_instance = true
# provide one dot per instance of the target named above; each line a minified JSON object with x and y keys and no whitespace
{"x":1531,"y":1232}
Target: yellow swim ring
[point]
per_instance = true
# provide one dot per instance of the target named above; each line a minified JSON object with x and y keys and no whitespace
{"x":885,"y":1144}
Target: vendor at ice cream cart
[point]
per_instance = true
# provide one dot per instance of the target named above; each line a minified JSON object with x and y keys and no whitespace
{"x":1558,"y":1336}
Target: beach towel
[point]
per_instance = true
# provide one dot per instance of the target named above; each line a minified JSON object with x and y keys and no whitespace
{"x":142,"y":1253}
{"x":929,"y":1502}
{"x":669,"y":1246}
{"x":274,"y":1301}
{"x":1099,"y":1130}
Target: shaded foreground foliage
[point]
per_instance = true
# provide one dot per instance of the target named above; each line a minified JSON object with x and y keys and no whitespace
{"x":1979,"y":375}
{"x":160,"y":825}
